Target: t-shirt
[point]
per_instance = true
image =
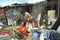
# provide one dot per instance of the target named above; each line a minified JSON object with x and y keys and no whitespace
{"x":29,"y":27}
{"x":39,"y":16}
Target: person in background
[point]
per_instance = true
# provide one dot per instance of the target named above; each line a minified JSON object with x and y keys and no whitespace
{"x":26,"y":17}
{"x":44,"y":19}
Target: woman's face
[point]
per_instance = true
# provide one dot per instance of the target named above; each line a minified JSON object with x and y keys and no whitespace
{"x":28,"y":19}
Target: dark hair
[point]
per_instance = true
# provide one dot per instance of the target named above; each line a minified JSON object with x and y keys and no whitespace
{"x":22,"y":12}
{"x":24,"y":24}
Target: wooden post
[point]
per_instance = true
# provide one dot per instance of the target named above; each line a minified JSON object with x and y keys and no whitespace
{"x":58,"y":8}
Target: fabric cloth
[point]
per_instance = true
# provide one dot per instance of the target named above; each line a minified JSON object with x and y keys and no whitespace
{"x":1,"y":23}
{"x":27,"y":14}
{"x":42,"y":36}
{"x":10,"y":21}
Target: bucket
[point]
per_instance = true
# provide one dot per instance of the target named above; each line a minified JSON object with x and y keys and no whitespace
{"x":35,"y":36}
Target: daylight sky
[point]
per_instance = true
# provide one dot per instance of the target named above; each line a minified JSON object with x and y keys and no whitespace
{"x":8,"y":2}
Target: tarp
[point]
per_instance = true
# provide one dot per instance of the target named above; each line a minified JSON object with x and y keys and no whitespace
{"x":9,"y":2}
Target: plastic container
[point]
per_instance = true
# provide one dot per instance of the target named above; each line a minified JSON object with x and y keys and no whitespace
{"x":35,"y":36}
